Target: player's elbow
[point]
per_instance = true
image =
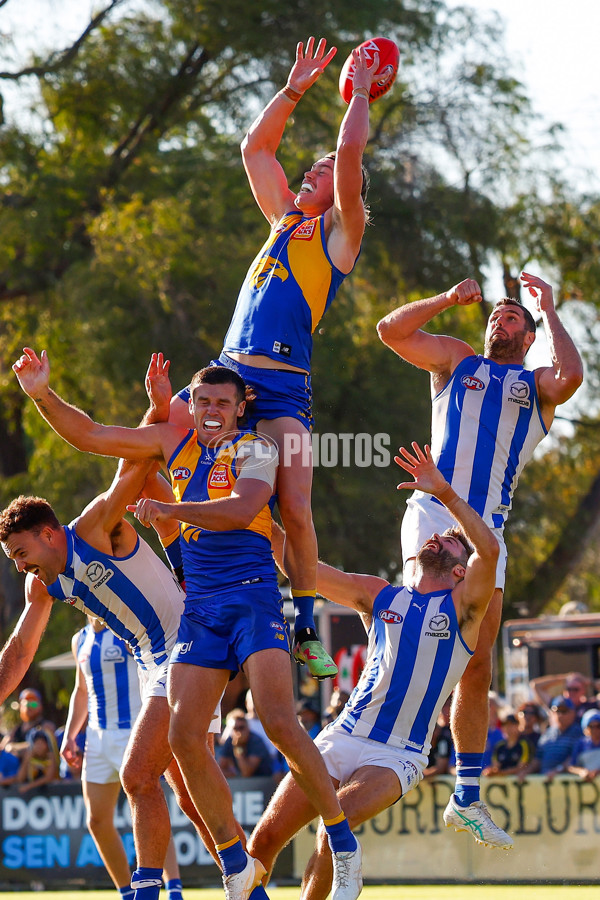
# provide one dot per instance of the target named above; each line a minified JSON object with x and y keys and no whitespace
{"x":573,"y":378}
{"x":387,"y":331}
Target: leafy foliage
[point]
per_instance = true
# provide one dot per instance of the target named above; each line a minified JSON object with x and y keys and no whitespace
{"x":126,"y":226}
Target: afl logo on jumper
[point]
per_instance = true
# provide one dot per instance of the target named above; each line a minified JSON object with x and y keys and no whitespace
{"x":438,"y":626}
{"x":472,"y":383}
{"x":519,"y":393}
{"x":390,"y":617}
{"x":181,"y":473}
{"x":97,"y":574}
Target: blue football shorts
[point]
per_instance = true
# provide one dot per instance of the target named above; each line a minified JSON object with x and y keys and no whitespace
{"x":278,"y":392}
{"x":222,"y":631}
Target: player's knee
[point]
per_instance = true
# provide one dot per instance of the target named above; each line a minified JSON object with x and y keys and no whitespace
{"x":263,"y":845}
{"x":184,"y":742}
{"x":282,"y":729}
{"x":296,"y":512}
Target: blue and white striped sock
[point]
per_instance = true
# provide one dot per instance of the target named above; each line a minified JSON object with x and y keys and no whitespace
{"x":468,"y":773}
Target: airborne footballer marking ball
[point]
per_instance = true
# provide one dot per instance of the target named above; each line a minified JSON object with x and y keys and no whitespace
{"x":389,"y":59}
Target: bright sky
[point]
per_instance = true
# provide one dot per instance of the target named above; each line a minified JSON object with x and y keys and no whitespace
{"x":554,"y":47}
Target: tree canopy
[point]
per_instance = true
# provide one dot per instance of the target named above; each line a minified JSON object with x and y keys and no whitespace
{"x":127,"y":226}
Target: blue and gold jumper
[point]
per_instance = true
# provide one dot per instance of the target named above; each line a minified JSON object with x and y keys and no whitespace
{"x":219,"y":561}
{"x":287,"y":290}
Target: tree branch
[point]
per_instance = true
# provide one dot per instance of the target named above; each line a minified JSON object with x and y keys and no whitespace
{"x":61,"y":58}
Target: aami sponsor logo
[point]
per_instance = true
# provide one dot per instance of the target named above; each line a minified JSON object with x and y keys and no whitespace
{"x":181,"y":473}
{"x":391,"y":617}
{"x":472,"y":383}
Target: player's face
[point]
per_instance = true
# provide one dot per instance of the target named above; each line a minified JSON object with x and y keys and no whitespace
{"x":35,"y":553}
{"x":506,"y":336}
{"x":216,"y":409}
{"x":316,"y":192}
{"x":440,"y":554}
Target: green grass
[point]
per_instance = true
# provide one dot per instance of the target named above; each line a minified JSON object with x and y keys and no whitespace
{"x":371,"y":892}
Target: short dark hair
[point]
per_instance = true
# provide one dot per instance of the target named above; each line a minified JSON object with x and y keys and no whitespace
{"x":27,"y":514}
{"x":366,"y":181}
{"x":220,"y":375}
{"x":511,"y":301}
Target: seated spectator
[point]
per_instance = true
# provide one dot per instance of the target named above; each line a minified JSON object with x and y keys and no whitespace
{"x":441,"y":744}
{"x":309,"y":717}
{"x":555,"y":747}
{"x":513,"y":752}
{"x":31,"y":714}
{"x":573,"y":685}
{"x":585,"y":761}
{"x":39,"y":765}
{"x":531,"y":723}
{"x":337,"y":702}
{"x":243,"y":753}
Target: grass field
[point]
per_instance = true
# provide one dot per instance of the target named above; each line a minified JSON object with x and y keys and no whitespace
{"x":371,"y":892}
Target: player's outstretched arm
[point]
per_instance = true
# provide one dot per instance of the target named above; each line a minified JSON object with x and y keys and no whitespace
{"x":73,"y":425}
{"x":18,"y":652}
{"x":266,"y":176}
{"x":475,"y":591}
{"x":401,"y":330}
{"x":558,"y":382}
{"x":349,"y":217}
{"x":78,"y":710}
{"x":346,"y":588}
{"x":107,"y":510}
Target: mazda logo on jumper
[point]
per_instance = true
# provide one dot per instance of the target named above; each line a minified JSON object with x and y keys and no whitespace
{"x":439,"y":622}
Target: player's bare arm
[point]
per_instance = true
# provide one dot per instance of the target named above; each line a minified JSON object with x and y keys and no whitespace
{"x":79,"y":430}
{"x":265,"y":174}
{"x":556,"y":383}
{"x":401,"y":330}
{"x":348,"y":213}
{"x":19,"y":650}
{"x":223,"y":514}
{"x":473,"y":594}
{"x":101,"y":523}
{"x":77,"y":715}
{"x":346,"y":588}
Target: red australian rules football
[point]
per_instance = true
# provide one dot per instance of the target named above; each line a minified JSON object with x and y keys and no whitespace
{"x":389,"y":59}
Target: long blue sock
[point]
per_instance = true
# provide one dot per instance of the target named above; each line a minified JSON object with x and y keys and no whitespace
{"x":232,"y":856}
{"x":146,"y":883}
{"x":126,"y":892}
{"x":304,"y":602}
{"x":341,"y":839}
{"x":174,"y":889}
{"x":468,"y":773}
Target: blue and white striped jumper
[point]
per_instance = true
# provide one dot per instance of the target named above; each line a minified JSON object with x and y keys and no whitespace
{"x":136,"y":596}
{"x":486,"y":423}
{"x":415,"y":657}
{"x":111,"y":678}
